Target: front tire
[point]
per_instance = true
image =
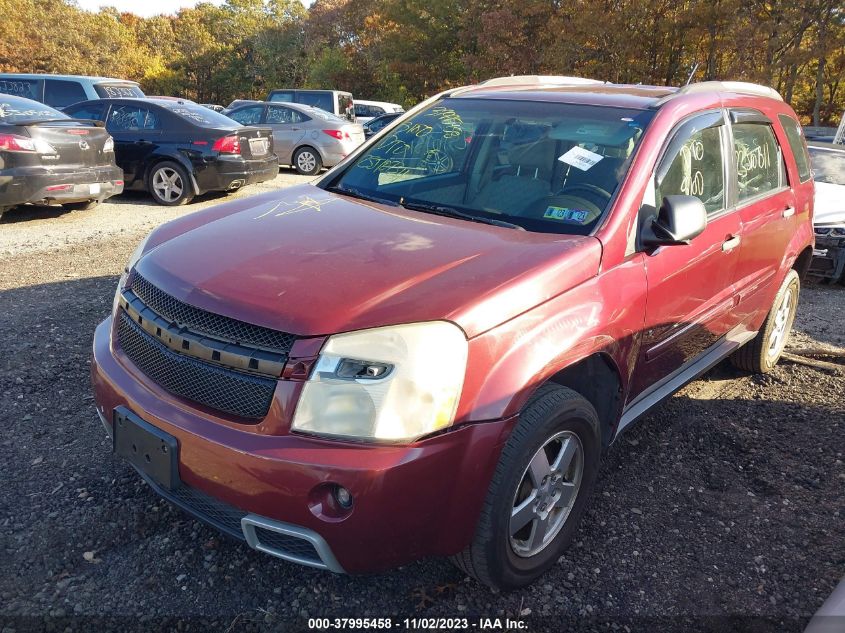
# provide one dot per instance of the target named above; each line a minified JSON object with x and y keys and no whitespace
{"x":169,"y":184}
{"x":307,"y":161}
{"x":761,"y":354}
{"x":539,"y":491}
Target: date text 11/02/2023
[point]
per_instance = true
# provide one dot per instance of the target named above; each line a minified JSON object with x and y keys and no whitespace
{"x":495,"y":625}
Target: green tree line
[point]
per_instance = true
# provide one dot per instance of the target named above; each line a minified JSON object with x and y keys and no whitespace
{"x":405,"y":50}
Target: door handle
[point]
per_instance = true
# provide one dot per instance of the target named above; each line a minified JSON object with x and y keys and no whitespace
{"x":731,"y":243}
{"x":788,"y":212}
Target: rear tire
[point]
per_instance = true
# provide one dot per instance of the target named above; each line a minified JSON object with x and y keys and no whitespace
{"x":81,"y":206}
{"x":761,"y":354}
{"x":556,"y":426}
{"x":307,"y":161}
{"x":169,"y":184}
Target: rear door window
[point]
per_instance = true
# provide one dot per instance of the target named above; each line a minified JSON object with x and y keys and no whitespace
{"x":60,"y":93}
{"x":695,"y":167}
{"x":281,"y":114}
{"x":759,"y":161}
{"x":26,"y":88}
{"x":124,"y":118}
{"x":248,"y":116}
{"x":795,"y":137}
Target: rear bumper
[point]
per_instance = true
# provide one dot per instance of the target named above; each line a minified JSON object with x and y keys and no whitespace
{"x":36,"y":184}
{"x":410,"y":501}
{"x":230,"y":173}
{"x":828,"y":259}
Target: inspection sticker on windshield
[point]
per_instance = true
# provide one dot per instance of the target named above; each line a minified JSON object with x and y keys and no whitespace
{"x":581,"y":158}
{"x":562,"y":214}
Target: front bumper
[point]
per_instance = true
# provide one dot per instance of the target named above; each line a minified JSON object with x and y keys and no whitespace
{"x":410,"y":501}
{"x":229,"y":173}
{"x":21,"y":185}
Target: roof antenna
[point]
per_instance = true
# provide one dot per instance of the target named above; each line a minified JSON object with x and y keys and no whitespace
{"x":692,"y":73}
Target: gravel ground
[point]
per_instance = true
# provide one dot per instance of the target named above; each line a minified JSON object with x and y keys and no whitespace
{"x":721,"y":511}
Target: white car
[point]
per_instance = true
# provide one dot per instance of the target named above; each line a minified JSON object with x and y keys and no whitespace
{"x":366,"y":110}
{"x":828,"y":161}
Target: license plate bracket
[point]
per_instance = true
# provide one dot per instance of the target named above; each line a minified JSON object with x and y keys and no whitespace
{"x":150,"y":450}
{"x":258,"y":146}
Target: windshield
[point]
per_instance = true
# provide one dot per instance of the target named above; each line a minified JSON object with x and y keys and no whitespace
{"x":198,"y":114}
{"x":14,"y":110}
{"x":547,"y":167}
{"x":828,"y":165}
{"x":118,"y":91}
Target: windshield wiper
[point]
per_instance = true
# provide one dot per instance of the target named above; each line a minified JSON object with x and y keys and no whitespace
{"x":451,"y":212}
{"x":357,"y":193}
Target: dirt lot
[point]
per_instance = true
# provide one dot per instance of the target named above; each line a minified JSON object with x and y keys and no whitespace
{"x":721,"y":511}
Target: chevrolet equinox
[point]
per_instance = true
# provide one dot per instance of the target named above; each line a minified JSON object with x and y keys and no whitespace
{"x":427,"y":352}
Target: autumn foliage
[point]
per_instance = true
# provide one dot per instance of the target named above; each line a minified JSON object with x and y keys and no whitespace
{"x":404,"y":50}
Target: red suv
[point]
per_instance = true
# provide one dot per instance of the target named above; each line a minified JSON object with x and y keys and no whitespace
{"x":427,"y":352}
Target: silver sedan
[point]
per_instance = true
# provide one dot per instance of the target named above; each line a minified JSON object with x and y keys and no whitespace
{"x":304,"y":137}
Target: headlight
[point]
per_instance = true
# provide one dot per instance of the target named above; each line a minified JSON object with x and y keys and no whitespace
{"x":389,"y":383}
{"x":133,"y":259}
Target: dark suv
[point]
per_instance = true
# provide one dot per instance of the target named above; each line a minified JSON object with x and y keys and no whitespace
{"x":427,"y":352}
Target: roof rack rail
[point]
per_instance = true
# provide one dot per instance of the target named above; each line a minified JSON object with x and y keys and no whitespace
{"x":547,"y":80}
{"x":741,"y":87}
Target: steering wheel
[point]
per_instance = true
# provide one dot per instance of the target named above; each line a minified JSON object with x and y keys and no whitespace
{"x":587,"y":188}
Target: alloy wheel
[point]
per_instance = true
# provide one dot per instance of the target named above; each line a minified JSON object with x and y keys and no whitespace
{"x":546,"y":494}
{"x":306,"y":161}
{"x":779,"y":333}
{"x":168,"y":184}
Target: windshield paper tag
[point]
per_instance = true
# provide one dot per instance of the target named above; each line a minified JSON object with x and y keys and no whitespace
{"x":581,"y":158}
{"x":572,"y":216}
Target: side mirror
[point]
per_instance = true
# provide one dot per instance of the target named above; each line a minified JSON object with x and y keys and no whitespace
{"x":678,"y":221}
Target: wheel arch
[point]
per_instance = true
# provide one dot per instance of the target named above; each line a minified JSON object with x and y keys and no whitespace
{"x":802,"y":262}
{"x":177,"y":158}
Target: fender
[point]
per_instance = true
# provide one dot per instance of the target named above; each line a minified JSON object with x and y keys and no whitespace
{"x":605,"y":314}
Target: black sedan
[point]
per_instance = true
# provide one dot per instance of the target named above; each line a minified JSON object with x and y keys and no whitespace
{"x":179,"y":149}
{"x":373,"y":126}
{"x":46,"y":157}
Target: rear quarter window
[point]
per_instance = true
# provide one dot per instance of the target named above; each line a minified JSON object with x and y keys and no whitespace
{"x":61,"y":93}
{"x":797,"y":145}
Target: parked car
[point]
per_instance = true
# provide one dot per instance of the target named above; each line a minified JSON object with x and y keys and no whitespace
{"x":828,"y":163}
{"x":427,"y":352}
{"x":374,"y":126}
{"x":60,"y":91}
{"x":367,"y":110}
{"x":306,"y":138}
{"x":46,"y":157}
{"x":335,"y":101}
{"x":238,"y":102}
{"x":178,"y":149}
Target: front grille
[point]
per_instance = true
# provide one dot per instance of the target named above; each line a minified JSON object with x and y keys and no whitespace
{"x":215,"y":325}
{"x":222,"y":389}
{"x":286,"y":544}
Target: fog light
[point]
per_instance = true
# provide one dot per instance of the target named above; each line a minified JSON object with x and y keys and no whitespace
{"x":343,"y":496}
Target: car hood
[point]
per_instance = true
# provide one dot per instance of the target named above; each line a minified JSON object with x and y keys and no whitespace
{"x":311,"y":262}
{"x":829,"y":204}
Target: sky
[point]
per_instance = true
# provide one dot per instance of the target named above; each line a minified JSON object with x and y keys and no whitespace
{"x":143,"y":8}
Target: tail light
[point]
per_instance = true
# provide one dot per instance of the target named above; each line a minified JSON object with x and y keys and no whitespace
{"x":108,"y":146}
{"x":340,"y":135}
{"x":14,"y":143}
{"x":24,"y":144}
{"x":227,"y":145}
